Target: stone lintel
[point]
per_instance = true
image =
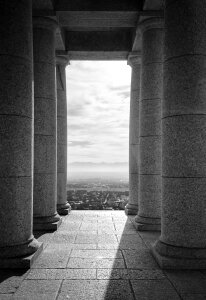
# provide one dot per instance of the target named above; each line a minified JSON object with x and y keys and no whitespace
{"x":113,"y":40}
{"x":88,"y":5}
{"x":53,"y":13}
{"x":98,"y":55}
{"x":24,"y":262}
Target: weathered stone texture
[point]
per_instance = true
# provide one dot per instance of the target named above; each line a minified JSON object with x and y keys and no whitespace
{"x":63,"y":206}
{"x":150,"y":125}
{"x":45,"y":132}
{"x":132,"y":207}
{"x":16,"y":135}
{"x":182,"y":243}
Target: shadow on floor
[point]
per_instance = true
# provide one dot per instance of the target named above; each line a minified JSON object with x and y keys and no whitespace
{"x":99,"y":255}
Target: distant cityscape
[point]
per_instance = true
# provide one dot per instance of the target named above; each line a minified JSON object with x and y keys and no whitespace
{"x":98,"y":193}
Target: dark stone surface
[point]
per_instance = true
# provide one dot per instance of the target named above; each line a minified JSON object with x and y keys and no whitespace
{"x":99,"y":271}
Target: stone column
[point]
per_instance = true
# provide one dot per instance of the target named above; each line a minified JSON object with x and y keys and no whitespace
{"x":149,"y":213}
{"x":16,"y":135}
{"x":183,"y":239}
{"x":63,"y":206}
{"x":45,"y":131}
{"x":134,"y":61}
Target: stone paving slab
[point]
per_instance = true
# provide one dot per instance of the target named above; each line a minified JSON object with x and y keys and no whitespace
{"x":193,"y":297}
{"x":95,"y":238}
{"x":107,"y":238}
{"x":96,"y":263}
{"x":129,"y":274}
{"x":188,"y":282}
{"x":63,"y":237}
{"x":52,"y":259}
{"x":10,"y":280}
{"x":43,"y":237}
{"x":62,"y":274}
{"x":38,"y":290}
{"x":139,"y":259}
{"x":114,"y":246}
{"x":95,"y":290}
{"x":154,"y":290}
{"x":6,"y":297}
{"x":86,"y":238}
{"x":99,"y":255}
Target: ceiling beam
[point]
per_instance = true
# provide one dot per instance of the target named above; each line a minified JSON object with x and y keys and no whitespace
{"x":99,"y":40}
{"x":98,"y":55}
{"x":100,"y":5}
{"x":94,"y":19}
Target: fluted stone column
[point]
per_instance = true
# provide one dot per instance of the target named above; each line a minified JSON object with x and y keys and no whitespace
{"x":45,"y":131}
{"x":63,"y":207}
{"x":16,"y":136}
{"x":134,"y":61}
{"x":149,"y":213}
{"x":183,"y":239}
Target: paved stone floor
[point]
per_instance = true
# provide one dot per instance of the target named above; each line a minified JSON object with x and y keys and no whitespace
{"x":99,"y":255}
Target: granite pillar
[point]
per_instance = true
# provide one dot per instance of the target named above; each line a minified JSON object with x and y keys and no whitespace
{"x":17,"y":244}
{"x":149,"y":214}
{"x":63,"y":207}
{"x":45,"y":131}
{"x":182,"y":243}
{"x":131,"y":208}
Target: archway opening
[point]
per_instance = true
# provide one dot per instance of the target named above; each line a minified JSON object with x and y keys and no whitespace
{"x":98,"y":134}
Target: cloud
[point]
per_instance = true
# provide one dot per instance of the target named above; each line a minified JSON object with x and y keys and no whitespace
{"x":80,"y":143}
{"x":98,"y":111}
{"x":75,"y":111}
{"x":124,"y":94}
{"x":119,"y":88}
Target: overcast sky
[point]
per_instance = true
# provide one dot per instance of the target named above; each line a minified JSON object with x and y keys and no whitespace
{"x":98,"y":111}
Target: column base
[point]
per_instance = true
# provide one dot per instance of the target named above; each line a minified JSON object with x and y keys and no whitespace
{"x":63,"y":209}
{"x":131,"y":209}
{"x":147,"y":224}
{"x":179,"y":258}
{"x":21,"y":262}
{"x":50,"y":223}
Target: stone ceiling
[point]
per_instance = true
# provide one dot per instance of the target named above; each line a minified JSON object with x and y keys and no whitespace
{"x":97,"y":30}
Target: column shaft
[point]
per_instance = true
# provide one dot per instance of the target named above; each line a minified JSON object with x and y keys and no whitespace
{"x":63,"y":206}
{"x":150,"y":126}
{"x":45,"y":131}
{"x":183,"y":240}
{"x":132,"y":206}
{"x":16,"y":135}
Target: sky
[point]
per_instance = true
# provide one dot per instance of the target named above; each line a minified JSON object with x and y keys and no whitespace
{"x":98,"y":112}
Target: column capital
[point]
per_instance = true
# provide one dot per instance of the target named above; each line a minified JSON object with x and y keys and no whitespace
{"x":44,"y":22}
{"x":134,"y":58}
{"x":62,"y":60}
{"x":151,"y":23}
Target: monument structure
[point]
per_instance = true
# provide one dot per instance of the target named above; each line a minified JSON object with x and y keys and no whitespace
{"x":167,"y":117}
